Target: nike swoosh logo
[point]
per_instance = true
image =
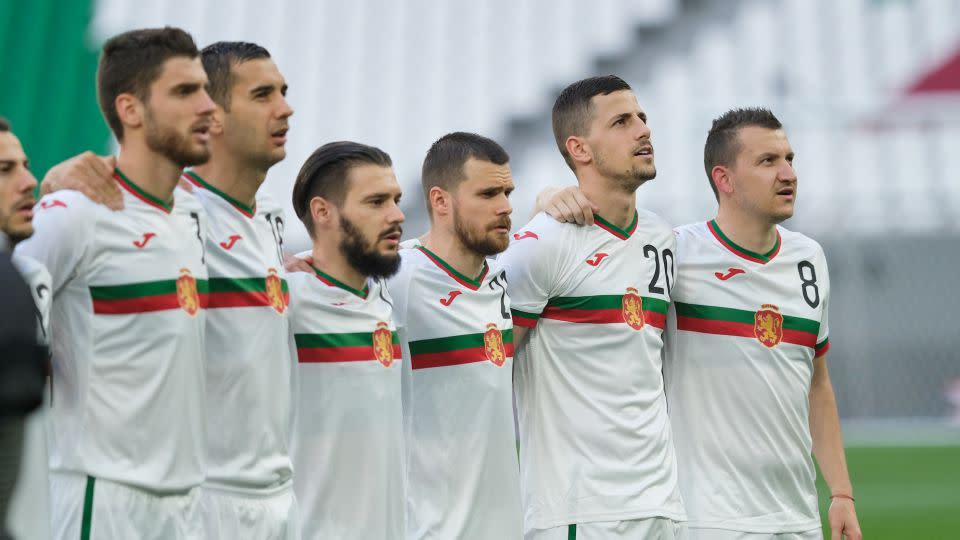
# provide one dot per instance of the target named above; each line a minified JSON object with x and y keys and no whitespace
{"x":146,"y":238}
{"x":232,"y":240}
{"x":526,"y":234}
{"x":52,"y":204}
{"x":597,"y":257}
{"x":449,"y":300}
{"x":730,"y":273}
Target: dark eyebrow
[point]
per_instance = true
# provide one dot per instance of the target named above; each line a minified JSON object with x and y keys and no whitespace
{"x":263,"y":89}
{"x":621,"y":116}
{"x":187,"y":88}
{"x":8,"y":162}
{"x":283,"y":89}
{"x":643,"y":116}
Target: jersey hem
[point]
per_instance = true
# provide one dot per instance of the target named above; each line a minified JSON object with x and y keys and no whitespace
{"x":769,"y":529}
{"x":253,"y":491}
{"x":626,"y":515}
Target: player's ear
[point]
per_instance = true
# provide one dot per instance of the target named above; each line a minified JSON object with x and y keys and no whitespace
{"x":579,"y":150}
{"x":129,"y":109}
{"x":721,"y":177}
{"x":441,"y":203}
{"x":322,"y":211}
{"x":216,"y":121}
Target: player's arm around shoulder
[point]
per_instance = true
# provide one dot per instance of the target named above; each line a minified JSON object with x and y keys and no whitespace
{"x":534,"y":264}
{"x":64,"y":225}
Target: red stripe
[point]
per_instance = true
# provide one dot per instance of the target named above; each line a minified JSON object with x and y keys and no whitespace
{"x":524,"y":322}
{"x":456,"y":278}
{"x":618,"y":234}
{"x":243,"y":299}
{"x":822,"y":350}
{"x":144,"y":304}
{"x":341,"y":354}
{"x":133,"y":192}
{"x":599,"y":316}
{"x":454,"y":358}
{"x":727,"y":328}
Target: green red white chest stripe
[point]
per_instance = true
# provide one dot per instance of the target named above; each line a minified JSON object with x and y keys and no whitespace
{"x":342,"y":347}
{"x":740,"y":322}
{"x":455,"y":350}
{"x":600,"y":309}
{"x":142,"y":297}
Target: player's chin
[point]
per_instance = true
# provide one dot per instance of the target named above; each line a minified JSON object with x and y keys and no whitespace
{"x":18,"y":229}
{"x":499,"y":240}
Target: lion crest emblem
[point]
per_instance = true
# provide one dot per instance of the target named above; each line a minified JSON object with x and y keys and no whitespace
{"x":187,"y":295}
{"x":275,"y":295}
{"x":768,"y":325}
{"x":633,"y":309}
{"x":383,"y":344}
{"x":493,"y":345}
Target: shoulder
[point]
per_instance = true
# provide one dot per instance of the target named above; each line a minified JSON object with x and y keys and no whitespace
{"x":654,"y":227}
{"x":268,"y":204}
{"x":543,"y":233}
{"x":410,"y":244}
{"x":800,"y":244}
{"x":185,"y":201}
{"x":69,"y":203}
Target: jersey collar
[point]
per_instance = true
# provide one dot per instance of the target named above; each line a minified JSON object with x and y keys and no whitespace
{"x":472,"y":284}
{"x":762,"y":258}
{"x":244,"y":209}
{"x":139,"y":193}
{"x":622,"y":234}
{"x":334,"y":282}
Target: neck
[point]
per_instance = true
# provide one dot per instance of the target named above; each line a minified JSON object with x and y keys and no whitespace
{"x":232,"y":177}
{"x":328,"y":259}
{"x":150,"y":171}
{"x":616,"y":205}
{"x":445,"y":243}
{"x":748,"y":232}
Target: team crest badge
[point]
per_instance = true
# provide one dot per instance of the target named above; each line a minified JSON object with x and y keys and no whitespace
{"x":275,"y":291}
{"x":768,"y":325}
{"x":187,"y":295}
{"x":633,"y":309}
{"x":493,"y":345}
{"x":383,"y":344}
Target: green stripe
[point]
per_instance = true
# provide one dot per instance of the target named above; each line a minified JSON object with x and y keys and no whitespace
{"x":623,"y":232}
{"x":245,"y":207}
{"x":475,"y":281}
{"x":168,"y":206}
{"x":352,"y":339}
{"x":140,"y":290}
{"x":605,"y":301}
{"x":572,"y":531}
{"x":87,"y":510}
{"x":362,"y":293}
{"x":762,"y":256}
{"x":454,"y":343}
{"x":715,"y":313}
{"x":254,"y":284}
{"x":524,"y":314}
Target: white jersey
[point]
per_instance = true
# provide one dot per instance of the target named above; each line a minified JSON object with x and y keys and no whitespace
{"x":457,"y":339}
{"x":129,"y":288}
{"x":248,"y":356}
{"x":595,"y":443}
{"x":744,"y":330}
{"x":39,"y":281}
{"x":348,"y":434}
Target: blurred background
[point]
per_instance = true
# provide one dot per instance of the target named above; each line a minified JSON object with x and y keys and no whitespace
{"x":869,"y":92}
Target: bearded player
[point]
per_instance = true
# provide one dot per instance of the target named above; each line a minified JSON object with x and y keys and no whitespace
{"x":453,"y":315}
{"x":348,"y":439}
{"x":126,"y":441}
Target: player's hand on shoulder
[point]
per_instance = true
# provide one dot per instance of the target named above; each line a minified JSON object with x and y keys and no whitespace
{"x":843,"y":520}
{"x":301,"y":262}
{"x":89,"y":174}
{"x":567,"y":205}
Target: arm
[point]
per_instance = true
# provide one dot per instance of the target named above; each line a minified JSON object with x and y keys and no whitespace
{"x":566,"y":205}
{"x":828,"y":449}
{"x":89,"y":174}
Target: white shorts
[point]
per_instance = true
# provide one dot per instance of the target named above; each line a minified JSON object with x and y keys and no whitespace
{"x":635,"y":529}
{"x":724,"y":534}
{"x":250,"y":515}
{"x":93,"y":508}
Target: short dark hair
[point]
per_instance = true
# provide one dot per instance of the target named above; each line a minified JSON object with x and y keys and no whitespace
{"x":4,"y":125}
{"x":130,"y":62}
{"x":723,"y":143}
{"x":219,"y":60}
{"x":443,"y":166}
{"x":573,"y":109}
{"x":325,"y":174}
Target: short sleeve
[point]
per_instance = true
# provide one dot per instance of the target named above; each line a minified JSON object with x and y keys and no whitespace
{"x":63,"y":225}
{"x":531,"y":265}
